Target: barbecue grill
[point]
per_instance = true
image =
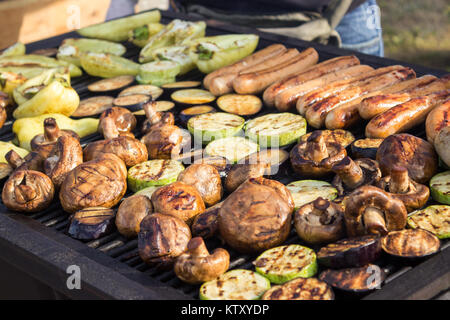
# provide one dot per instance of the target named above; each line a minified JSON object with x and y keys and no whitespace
{"x":36,"y":251}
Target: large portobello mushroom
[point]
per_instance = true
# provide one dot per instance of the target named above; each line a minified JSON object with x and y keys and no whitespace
{"x":257,"y":216}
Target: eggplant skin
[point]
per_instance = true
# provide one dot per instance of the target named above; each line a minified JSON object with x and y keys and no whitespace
{"x":353,"y":252}
{"x":83,"y":231}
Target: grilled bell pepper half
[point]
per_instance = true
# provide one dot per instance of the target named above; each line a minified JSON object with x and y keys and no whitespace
{"x":142,"y":35}
{"x":37,"y":61}
{"x":5,"y":147}
{"x":212,"y":53}
{"x":26,"y":129}
{"x":107,"y":65}
{"x":10,"y":81}
{"x":117,"y":30}
{"x":178,"y":54}
{"x":70,"y":49}
{"x":16,"y":49}
{"x":176,"y":33}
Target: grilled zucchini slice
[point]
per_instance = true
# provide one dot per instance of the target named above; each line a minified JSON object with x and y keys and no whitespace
{"x":181,"y":85}
{"x":343,"y":137}
{"x":153,"y":173}
{"x":231,"y":148}
{"x":306,"y":191}
{"x":366,"y":148}
{"x":276,"y":129}
{"x":211,"y":126}
{"x":236,"y":284}
{"x":433,"y":218}
{"x":146,"y":89}
{"x":284,"y":263}
{"x":440,"y":187}
{"x":193,"y":96}
{"x":158,"y":72}
{"x":240,"y":104}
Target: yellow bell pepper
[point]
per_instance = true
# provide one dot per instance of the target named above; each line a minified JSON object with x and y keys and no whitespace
{"x":26,"y":129}
{"x":16,"y":49}
{"x":5,"y":147}
{"x":10,"y":81}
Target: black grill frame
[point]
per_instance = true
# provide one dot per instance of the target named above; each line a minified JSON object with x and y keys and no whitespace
{"x":36,"y":244}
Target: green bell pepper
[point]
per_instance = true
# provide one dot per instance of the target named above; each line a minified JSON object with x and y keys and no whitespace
{"x":142,"y":35}
{"x":16,"y":49}
{"x":178,"y":54}
{"x":106,"y":65}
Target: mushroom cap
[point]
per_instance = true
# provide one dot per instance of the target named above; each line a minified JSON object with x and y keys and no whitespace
{"x":369,"y":196}
{"x":240,"y":173}
{"x":130,"y":214}
{"x":164,"y":142}
{"x":123,"y":118}
{"x":371,"y":175}
{"x":164,"y":119}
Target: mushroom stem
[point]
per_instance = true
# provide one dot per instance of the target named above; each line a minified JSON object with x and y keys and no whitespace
{"x":197,"y":248}
{"x":316,"y":148}
{"x":374,"y":221}
{"x":51,"y":130}
{"x":14,"y":159}
{"x":109,"y":127}
{"x":350,"y":173}
{"x":150,"y":111}
{"x":399,"y":180}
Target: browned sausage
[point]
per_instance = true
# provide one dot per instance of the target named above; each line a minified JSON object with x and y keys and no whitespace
{"x":251,"y":60}
{"x":313,"y":72}
{"x":256,"y":82}
{"x":437,"y":119}
{"x":287,"y":99}
{"x":272,"y":62}
{"x":404,"y":116}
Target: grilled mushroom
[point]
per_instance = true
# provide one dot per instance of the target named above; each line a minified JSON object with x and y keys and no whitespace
{"x":28,"y":191}
{"x":197,"y":265}
{"x":127,"y":148}
{"x":315,"y":157}
{"x":206,"y":180}
{"x":161,"y":239}
{"x":353,"y":174}
{"x":441,"y":143}
{"x":65,"y":156}
{"x":370,"y":210}
{"x":130,"y":214}
{"x":205,"y":224}
{"x":32,"y":161}
{"x":155,"y":118}
{"x":91,"y":223}
{"x":320,"y":221}
{"x":240,"y":173}
{"x":179,"y":200}
{"x":124,"y":120}
{"x":44,"y":143}
{"x":414,"y":195}
{"x":101,"y":182}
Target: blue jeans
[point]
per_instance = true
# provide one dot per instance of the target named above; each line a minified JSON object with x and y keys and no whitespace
{"x":360,"y":29}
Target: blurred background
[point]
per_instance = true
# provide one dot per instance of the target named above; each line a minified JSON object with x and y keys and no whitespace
{"x":415,"y":31}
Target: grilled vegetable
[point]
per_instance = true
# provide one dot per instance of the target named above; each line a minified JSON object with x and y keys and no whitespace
{"x":46,"y":52}
{"x":188,"y":113}
{"x":176,"y":33}
{"x":10,"y":81}
{"x":5,"y":171}
{"x":147,"y":191}
{"x":91,"y":223}
{"x":441,"y":143}
{"x":355,"y":280}
{"x":158,"y":72}
{"x":192,"y":96}
{"x":211,"y":126}
{"x":440,"y":187}
{"x":276,"y":130}
{"x":124,"y":120}
{"x":240,"y":173}
{"x":118,"y":30}
{"x":17,"y":49}
{"x":274,"y":157}
{"x":141,"y":35}
{"x":106,"y":65}
{"x":5,"y":147}
{"x":160,"y":106}
{"x":232,"y":148}
{"x":242,"y":105}
{"x":197,"y":265}
{"x":222,"y":164}
{"x":153,"y":173}
{"x":342,"y":137}
{"x":93,"y":106}
{"x":70,"y":49}
{"x":282,"y":264}
{"x":132,"y":102}
{"x":353,"y":252}
{"x":130,"y":214}
{"x":236,"y":284}
{"x":433,"y":219}
{"x":181,"y":85}
{"x":411,"y":243}
{"x":111,"y":85}
{"x":205,"y":224}
{"x":212,"y":53}
{"x":306,"y":191}
{"x":366,"y":148}
{"x":27,"y":128}
{"x":300,"y":289}
{"x":177,"y":54}
{"x":145,"y":89}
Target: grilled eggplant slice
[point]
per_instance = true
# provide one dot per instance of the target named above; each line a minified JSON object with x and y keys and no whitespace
{"x":93,"y":106}
{"x":366,"y":148}
{"x":242,"y":105}
{"x":306,"y":191}
{"x":355,"y":280}
{"x":352,"y":252}
{"x":282,"y":264}
{"x":236,"y":284}
{"x":145,"y":89}
{"x":411,"y":243}
{"x":153,"y":173}
{"x":211,"y":126}
{"x":91,"y":223}
{"x":232,"y":148}
{"x":188,"y":113}
{"x":433,"y":218}
{"x":192,"y":96}
{"x":300,"y":289}
{"x":181,"y":85}
{"x":132,"y":102}
{"x":276,"y":129}
{"x":440,"y":187}
{"x":111,"y":85}
{"x":160,"y":106}
{"x":339,"y":136}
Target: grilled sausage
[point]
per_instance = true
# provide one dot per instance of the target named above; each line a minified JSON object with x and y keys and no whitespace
{"x":316,"y":71}
{"x":235,"y":68}
{"x":256,"y":82}
{"x":287,"y":99}
{"x":384,"y":77}
{"x":404,"y":116}
{"x":437,"y":119}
